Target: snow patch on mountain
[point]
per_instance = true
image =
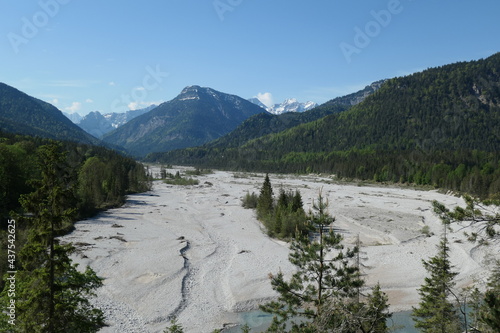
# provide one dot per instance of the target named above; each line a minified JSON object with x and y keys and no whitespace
{"x":289,"y":105}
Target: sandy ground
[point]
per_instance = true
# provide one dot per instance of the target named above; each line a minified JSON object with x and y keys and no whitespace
{"x":193,"y":252}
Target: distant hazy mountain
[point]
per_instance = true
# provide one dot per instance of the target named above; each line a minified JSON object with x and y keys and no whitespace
{"x":118,"y":119}
{"x":196,"y":116}
{"x":289,"y":105}
{"x":23,"y":114}
{"x":74,"y":117}
{"x":256,"y":101}
{"x":97,"y":124}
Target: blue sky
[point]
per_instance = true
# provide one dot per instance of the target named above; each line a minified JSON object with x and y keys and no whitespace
{"x":110,"y":55}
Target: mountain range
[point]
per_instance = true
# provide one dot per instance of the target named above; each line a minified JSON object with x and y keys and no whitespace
{"x":98,"y":124}
{"x":182,"y":122}
{"x":196,"y":116}
{"x":264,"y":124}
{"x":438,"y":127}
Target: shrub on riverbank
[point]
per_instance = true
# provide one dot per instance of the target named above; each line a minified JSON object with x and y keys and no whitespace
{"x":283,"y":218}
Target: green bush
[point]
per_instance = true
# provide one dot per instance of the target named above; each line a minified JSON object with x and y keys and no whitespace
{"x":182,"y":181}
{"x":198,"y":172}
{"x":250,"y":201}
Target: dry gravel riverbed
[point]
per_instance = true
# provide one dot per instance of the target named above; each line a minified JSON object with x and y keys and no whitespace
{"x":193,"y":252}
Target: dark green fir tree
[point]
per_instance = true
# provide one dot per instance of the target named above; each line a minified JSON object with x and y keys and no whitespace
{"x":51,"y":293}
{"x":326,"y":277}
{"x":265,"y":204}
{"x":436,"y":312}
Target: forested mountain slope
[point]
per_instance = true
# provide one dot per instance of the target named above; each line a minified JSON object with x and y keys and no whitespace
{"x":451,"y":107}
{"x":439,"y":127}
{"x":196,"y":116}
{"x":23,"y":114}
{"x":264,"y":124}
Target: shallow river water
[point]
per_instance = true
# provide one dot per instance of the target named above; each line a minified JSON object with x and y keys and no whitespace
{"x":258,"y":321}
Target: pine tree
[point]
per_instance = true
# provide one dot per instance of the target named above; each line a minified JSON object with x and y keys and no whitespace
{"x":51,"y":293}
{"x":283,"y":199}
{"x":435,"y":313}
{"x":265,"y":205}
{"x":352,"y":315}
{"x":476,"y":213}
{"x":324,"y":275}
{"x":486,"y":305}
{"x":174,"y":327}
{"x":297,"y":201}
{"x":491,"y":316}
{"x":377,"y":311}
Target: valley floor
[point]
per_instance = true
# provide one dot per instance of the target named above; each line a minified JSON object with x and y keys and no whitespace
{"x":193,"y":252}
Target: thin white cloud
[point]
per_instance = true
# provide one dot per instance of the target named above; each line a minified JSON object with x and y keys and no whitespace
{"x":266,"y":99}
{"x":75,"y":106}
{"x":88,"y":100}
{"x":54,"y":101}
{"x":133,"y":106}
{"x":112,"y":83}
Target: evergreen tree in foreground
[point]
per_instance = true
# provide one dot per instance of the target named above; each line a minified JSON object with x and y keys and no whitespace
{"x":484,"y":217}
{"x":486,"y":305}
{"x":435,"y":312}
{"x":323,"y":295}
{"x":487,"y":220}
{"x":491,"y":314}
{"x":51,"y":294}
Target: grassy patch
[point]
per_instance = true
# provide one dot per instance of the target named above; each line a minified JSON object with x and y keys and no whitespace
{"x":181,"y":181}
{"x":426,"y":231}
